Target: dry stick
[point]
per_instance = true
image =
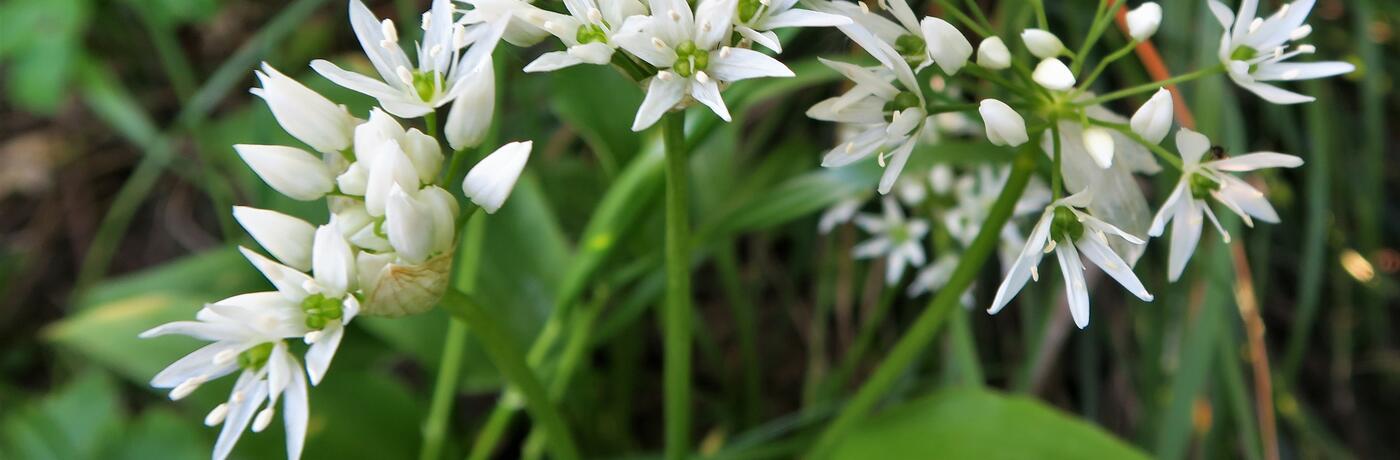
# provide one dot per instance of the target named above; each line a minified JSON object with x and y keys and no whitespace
{"x":1244,"y":284}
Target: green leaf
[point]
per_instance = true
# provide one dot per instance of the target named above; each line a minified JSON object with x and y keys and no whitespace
{"x":160,"y":433}
{"x":74,"y":422}
{"x":599,"y":105}
{"x":978,"y":424}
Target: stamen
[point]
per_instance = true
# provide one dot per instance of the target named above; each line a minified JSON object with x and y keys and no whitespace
{"x":216,"y":416}
{"x":863,"y":7}
{"x":1283,"y":11}
{"x":263,"y":420}
{"x":435,"y":50}
{"x":665,"y":75}
{"x":706,"y":26}
{"x":701,"y":76}
{"x":1255,"y":25}
{"x":311,"y":337}
{"x":658,"y":43}
{"x":427,"y":20}
{"x":1307,"y":49}
{"x":236,"y":397}
{"x":1300,"y":33}
{"x":185,"y":388}
{"x":225,"y":357}
{"x":459,"y":37}
{"x":1035,"y":274}
{"x":407,"y":78}
{"x":594,"y":15}
{"x":850,"y":147}
{"x":880,"y":159}
{"x":1049,"y":246}
{"x":724,"y":52}
{"x":391,"y":34}
{"x":675,"y":16}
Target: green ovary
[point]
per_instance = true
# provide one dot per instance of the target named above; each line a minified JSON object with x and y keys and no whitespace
{"x":690,"y":59}
{"x":254,"y":358}
{"x":1202,"y":186}
{"x":590,"y":33}
{"x":1065,"y":226}
{"x":426,"y":84}
{"x":320,"y":310}
{"x":912,"y":47}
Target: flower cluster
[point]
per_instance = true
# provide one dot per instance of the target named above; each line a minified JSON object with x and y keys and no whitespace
{"x":386,"y":248}
{"x":1097,"y":154}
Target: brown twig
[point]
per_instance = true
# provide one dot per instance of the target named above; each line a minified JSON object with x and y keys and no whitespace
{"x":1244,"y":282}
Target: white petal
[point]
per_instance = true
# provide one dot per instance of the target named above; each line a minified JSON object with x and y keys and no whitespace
{"x":713,"y":21}
{"x":198,"y":364}
{"x":295,"y":413}
{"x":290,"y":282}
{"x":592,"y":53}
{"x":392,"y":167}
{"x":490,"y":182}
{"x":473,"y":109}
{"x":1168,"y":210}
{"x":320,"y":353}
{"x":1288,"y":71}
{"x":1053,"y":74}
{"x":1153,"y":120}
{"x":442,"y":208}
{"x":707,"y":92}
{"x":1004,"y":126}
{"x":424,"y":153}
{"x":1192,"y":145}
{"x":1099,"y":143}
{"x":993,"y":54}
{"x":551,"y":61}
{"x":734,"y":64}
{"x":334,"y":262}
{"x":662,"y":95}
{"x":1042,"y":44}
{"x":797,"y":17}
{"x":1275,"y":94}
{"x":898,"y":158}
{"x":370,"y":136}
{"x":1256,"y":161}
{"x":947,"y":45}
{"x":1100,"y":254}
{"x":1020,"y":272}
{"x":408,"y":226}
{"x":291,"y":171}
{"x":767,"y":39}
{"x":286,"y":237}
{"x":304,"y":113}
{"x":1144,"y":20}
{"x":1245,"y":200}
{"x":1076,"y":292}
{"x":370,"y":32}
{"x":1186,"y":232}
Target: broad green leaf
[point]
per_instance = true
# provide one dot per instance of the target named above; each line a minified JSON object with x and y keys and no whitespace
{"x":73,"y":423}
{"x":977,"y":424}
{"x":107,"y":333}
{"x":160,"y":433}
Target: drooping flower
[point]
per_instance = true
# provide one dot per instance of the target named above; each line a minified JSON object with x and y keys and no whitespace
{"x":757,"y":19}
{"x":290,"y":171}
{"x":1070,"y":232}
{"x":587,"y":33}
{"x":897,"y":238}
{"x":409,"y":90}
{"x":490,"y":182}
{"x":1004,"y":126}
{"x":1042,"y":43}
{"x":1144,"y":20}
{"x":993,"y":54}
{"x":1255,"y":49}
{"x":692,"y":56}
{"x":840,"y":213}
{"x":1053,"y":74}
{"x":1202,"y":179}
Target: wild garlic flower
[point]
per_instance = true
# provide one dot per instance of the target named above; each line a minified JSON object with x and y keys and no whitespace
{"x":1144,"y":20}
{"x":1042,"y":44}
{"x":839,"y":213}
{"x":490,"y":182}
{"x":898,"y":239}
{"x":248,"y":339}
{"x":1254,"y":49}
{"x":976,"y":192}
{"x":1202,"y":179}
{"x":409,"y":90}
{"x":757,"y":19}
{"x":1153,"y":120}
{"x":1070,"y":232}
{"x":935,"y":276}
{"x":691,"y":53}
{"x":523,"y":22}
{"x":888,"y":106}
{"x":587,"y":32}
{"x":920,"y":43}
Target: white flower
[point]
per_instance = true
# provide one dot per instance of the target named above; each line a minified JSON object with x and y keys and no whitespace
{"x":688,"y":49}
{"x":247,"y":332}
{"x":490,"y":182}
{"x":286,"y":237}
{"x":920,"y":43}
{"x":1004,"y":126}
{"x":586,"y":33}
{"x":304,"y":113}
{"x":470,"y":116}
{"x":1154,"y":119}
{"x":524,"y":23}
{"x":890,"y":117}
{"x":407,"y":90}
{"x":757,"y":19}
{"x":1099,"y":143}
{"x":291,"y":171}
{"x":993,"y":54}
{"x":898,"y":239}
{"x":1042,"y":43}
{"x":1201,"y":179}
{"x":1144,"y":20}
{"x":1070,"y":232}
{"x":323,"y":303}
{"x":1254,"y":49}
{"x":840,"y":213}
{"x":386,"y":154}
{"x":934,"y":277}
{"x":976,"y":193}
{"x":1053,"y":74}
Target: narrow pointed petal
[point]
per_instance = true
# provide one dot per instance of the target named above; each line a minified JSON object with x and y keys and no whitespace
{"x":1076,"y":292}
{"x":662,"y":95}
{"x":1186,"y":233}
{"x":734,"y":64}
{"x":1101,"y":255}
{"x":1256,"y":161}
{"x":490,"y":182}
{"x":287,"y":238}
{"x":333,"y":261}
{"x":291,"y":171}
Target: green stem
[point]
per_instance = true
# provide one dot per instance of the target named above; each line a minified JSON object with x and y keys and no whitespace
{"x":977,"y":13}
{"x":745,"y":319}
{"x":1103,"y":65}
{"x":511,"y":362}
{"x":1153,"y":86}
{"x":1127,"y":130}
{"x":916,"y":340}
{"x":677,"y":314}
{"x":1056,"y":172}
{"x":964,"y":347}
{"x":1102,"y":18}
{"x":1040,"y":19}
{"x":952,"y":10}
{"x":465,"y":269}
{"x":430,"y":121}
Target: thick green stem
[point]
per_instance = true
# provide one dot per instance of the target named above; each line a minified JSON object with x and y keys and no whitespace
{"x":677,"y":314}
{"x":1153,"y":86}
{"x":465,"y":268}
{"x":511,"y":362}
{"x":916,"y":340}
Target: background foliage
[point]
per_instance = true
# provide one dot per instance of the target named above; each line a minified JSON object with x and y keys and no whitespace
{"x":116,"y":174}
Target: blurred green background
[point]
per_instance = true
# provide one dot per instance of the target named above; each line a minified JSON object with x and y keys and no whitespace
{"x":117,"y":174}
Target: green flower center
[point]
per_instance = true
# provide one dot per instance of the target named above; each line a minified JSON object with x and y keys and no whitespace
{"x":1065,"y":226}
{"x":1243,"y":53}
{"x":912,"y":47}
{"x":319,"y":310}
{"x":254,"y":358}
{"x":426,"y":84}
{"x":690,"y":59}
{"x":1202,"y":186}
{"x":901,"y":102}
{"x":590,"y":33}
{"x":748,"y":9}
